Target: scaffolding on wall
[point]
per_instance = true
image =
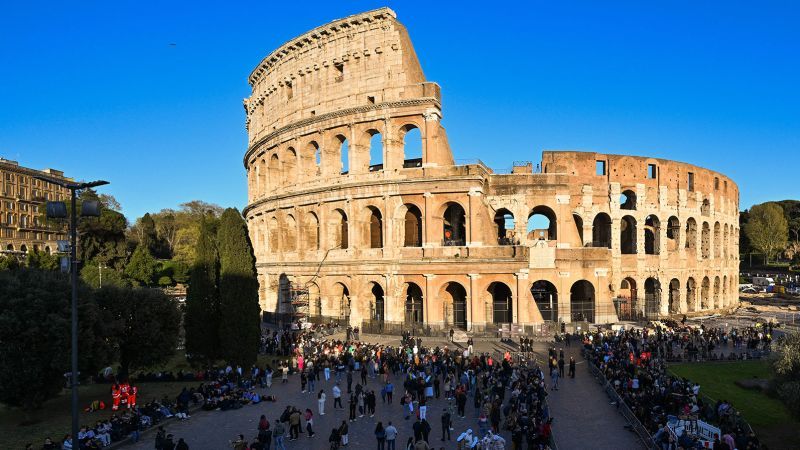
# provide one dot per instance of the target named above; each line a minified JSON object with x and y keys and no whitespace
{"x":297,"y":299}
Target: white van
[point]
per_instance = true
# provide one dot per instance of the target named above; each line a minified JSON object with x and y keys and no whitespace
{"x":763,"y":281}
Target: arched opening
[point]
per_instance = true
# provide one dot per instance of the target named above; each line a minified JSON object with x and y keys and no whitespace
{"x":542,"y":224}
{"x":344,"y":154}
{"x":454,"y":225}
{"x":545,"y":296}
{"x":377,"y":309}
{"x":627,"y":235}
{"x":705,"y":287}
{"x":340,"y":230}
{"x":412,"y":146}
{"x":455,"y":306}
{"x":23,"y":248}
{"x":705,"y":241}
{"x":674,"y":296}
{"x":10,"y":247}
{"x":504,"y":223}
{"x":314,"y":300}
{"x":414,"y":305}
{"x":35,"y":248}
{"x":578,"y":227}
{"x":725,"y":241}
{"x":375,"y":151}
{"x":652,"y":235}
{"x":717,"y":303}
{"x":375,"y":228}
{"x":342,"y":301}
{"x":412,"y":227}
{"x":290,"y":242}
{"x":581,"y":301}
{"x":627,"y":200}
{"x":673,"y":233}
{"x":691,"y":234}
{"x":627,"y":304}
{"x":724,"y":299}
{"x":290,"y":166}
{"x":263,"y":171}
{"x":47,"y":250}
{"x":601,"y":231}
{"x":316,"y":156}
{"x":274,"y":171}
{"x":717,"y":245}
{"x":652,"y":297}
{"x":691,"y":295}
{"x":502,"y":303}
{"x":273,"y":231}
{"x":705,"y":208}
{"x":312,"y":232}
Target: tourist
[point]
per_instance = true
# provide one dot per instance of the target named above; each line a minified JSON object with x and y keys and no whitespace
{"x":446,"y":424}
{"x":321,"y":402}
{"x":380,"y":435}
{"x":280,"y":430}
{"x":309,"y":417}
{"x":343,"y":432}
{"x":572,"y":367}
{"x":334,"y":439}
{"x":337,"y":396}
{"x":391,"y":436}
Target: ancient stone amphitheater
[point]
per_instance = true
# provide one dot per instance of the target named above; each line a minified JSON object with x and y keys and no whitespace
{"x":358,"y":211}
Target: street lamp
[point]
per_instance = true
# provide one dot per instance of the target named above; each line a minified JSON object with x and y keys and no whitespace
{"x":58,"y":210}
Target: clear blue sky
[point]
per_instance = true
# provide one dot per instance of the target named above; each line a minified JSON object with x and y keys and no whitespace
{"x":95,"y":88}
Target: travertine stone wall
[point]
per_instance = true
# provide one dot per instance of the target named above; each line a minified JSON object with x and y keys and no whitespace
{"x":422,"y":240}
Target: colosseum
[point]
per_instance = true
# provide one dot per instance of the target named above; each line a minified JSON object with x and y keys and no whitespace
{"x":359,"y":212}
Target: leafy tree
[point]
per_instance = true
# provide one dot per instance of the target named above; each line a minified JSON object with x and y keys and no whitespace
{"x":146,"y":325}
{"x":102,"y":238}
{"x":8,"y":263}
{"x":744,"y":241}
{"x":35,"y":328}
{"x":42,"y":260}
{"x":186,"y":243}
{"x":201,"y":321}
{"x":767,"y":229}
{"x":239,"y":328}
{"x":142,"y":267}
{"x":96,"y":275}
{"x":145,"y":232}
{"x":167,"y":229}
{"x":786,"y":370}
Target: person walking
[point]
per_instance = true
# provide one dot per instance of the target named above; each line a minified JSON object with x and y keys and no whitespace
{"x":554,"y":378}
{"x":309,"y":416}
{"x":352,"y":404}
{"x":446,"y":423}
{"x":321,"y":402}
{"x":561,"y":366}
{"x":337,"y":396}
{"x":572,"y":367}
{"x":389,"y":392}
{"x":380,"y":435}
{"x":294,"y":424}
{"x":280,"y":430}
{"x":391,"y":436}
{"x":343,"y":432}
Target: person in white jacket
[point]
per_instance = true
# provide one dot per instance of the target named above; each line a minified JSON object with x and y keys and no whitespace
{"x":321,"y":402}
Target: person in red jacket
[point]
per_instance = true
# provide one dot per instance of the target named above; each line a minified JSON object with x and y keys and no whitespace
{"x":115,"y":396}
{"x":124,"y":388}
{"x":132,"y":396}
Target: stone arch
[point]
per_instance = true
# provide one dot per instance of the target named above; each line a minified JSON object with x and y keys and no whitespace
{"x":725,"y":300}
{"x":582,"y":301}
{"x":411,"y":136}
{"x":455,"y":305}
{"x":542,"y":224}
{"x":502,"y":302}
{"x":717,"y":303}
{"x":412,"y":225}
{"x":274,"y":171}
{"x":23,"y":248}
{"x":340,"y":302}
{"x":674,"y":303}
{"x":10,"y":247}
{"x":414,"y":305}
{"x":344,"y":154}
{"x":377,"y":307}
{"x":273,"y":234}
{"x":339,"y":230}
{"x":311,"y":233}
{"x":627,"y":236}
{"x":578,"y":220}
{"x":627,"y":305}
{"x":691,"y":295}
{"x":504,"y":224}
{"x":673,"y":233}
{"x":652,"y":297}
{"x":601,"y":230}
{"x":691,"y":234}
{"x":290,"y":166}
{"x":705,"y":208}
{"x":314,"y":157}
{"x":545,"y":296}
{"x":454,"y":221}
{"x":290,"y":237}
{"x":705,"y":287}
{"x":725,"y":242}
{"x":376,"y":153}
{"x":627,"y":200}
{"x":375,"y":230}
{"x":705,"y":241}
{"x":717,"y":244}
{"x":314,"y":299}
{"x":262,"y":177}
{"x":652,"y":235}
{"x":47,"y":249}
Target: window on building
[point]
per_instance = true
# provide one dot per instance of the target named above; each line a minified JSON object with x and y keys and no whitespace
{"x":599,"y":167}
{"x":339,"y":67}
{"x":716,"y":183}
{"x":651,"y":171}
{"x":691,"y":182}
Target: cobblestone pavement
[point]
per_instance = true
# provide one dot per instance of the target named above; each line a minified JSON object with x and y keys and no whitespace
{"x":583,"y":416}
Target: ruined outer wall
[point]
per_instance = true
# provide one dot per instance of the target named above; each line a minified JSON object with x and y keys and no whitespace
{"x":374,"y":237}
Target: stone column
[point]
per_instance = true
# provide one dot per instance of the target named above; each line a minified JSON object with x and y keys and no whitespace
{"x":429,"y":229}
{"x":428,"y":318}
{"x":474,"y":314}
{"x":473,"y":225}
{"x":520,"y":317}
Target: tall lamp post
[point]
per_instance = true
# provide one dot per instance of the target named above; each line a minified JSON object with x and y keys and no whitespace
{"x":58,"y":210}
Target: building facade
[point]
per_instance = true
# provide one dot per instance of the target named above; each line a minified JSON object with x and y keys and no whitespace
{"x":23,"y":200}
{"x":368,"y":226}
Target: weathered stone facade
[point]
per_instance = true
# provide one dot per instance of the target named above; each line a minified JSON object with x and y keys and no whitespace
{"x":424,"y":240}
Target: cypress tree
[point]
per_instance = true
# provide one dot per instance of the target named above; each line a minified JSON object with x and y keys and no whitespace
{"x":201,"y":320}
{"x":240,"y":329}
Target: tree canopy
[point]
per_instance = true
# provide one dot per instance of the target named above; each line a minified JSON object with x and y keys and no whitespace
{"x":767,"y":229}
{"x":201,"y":321}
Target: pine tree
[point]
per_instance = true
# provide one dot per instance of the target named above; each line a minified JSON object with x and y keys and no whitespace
{"x":142,"y":266}
{"x":148,"y":232}
{"x":239,"y":330}
{"x":201,"y":321}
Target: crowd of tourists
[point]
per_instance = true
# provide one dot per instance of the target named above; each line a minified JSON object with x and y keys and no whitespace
{"x":634,"y":362}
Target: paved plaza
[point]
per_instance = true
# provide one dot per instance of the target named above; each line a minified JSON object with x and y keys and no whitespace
{"x":583,"y":417}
